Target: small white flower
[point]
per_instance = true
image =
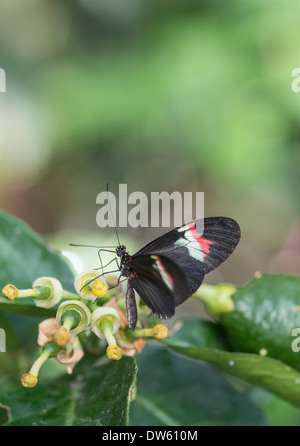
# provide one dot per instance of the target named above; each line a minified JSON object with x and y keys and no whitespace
{"x":56,"y":291}
{"x":89,"y":285}
{"x":101,"y":313}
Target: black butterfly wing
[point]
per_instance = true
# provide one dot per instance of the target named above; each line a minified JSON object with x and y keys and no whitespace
{"x":196,"y":248}
{"x":159,"y":282}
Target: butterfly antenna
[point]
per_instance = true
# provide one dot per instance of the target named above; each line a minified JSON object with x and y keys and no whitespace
{"x":92,"y":246}
{"x":112,"y":215}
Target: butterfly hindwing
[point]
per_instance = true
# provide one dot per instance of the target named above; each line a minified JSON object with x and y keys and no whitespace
{"x":159,"y":282}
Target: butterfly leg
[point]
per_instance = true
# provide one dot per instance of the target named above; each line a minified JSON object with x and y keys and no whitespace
{"x":100,"y":275}
{"x":99,"y":255}
{"x":118,"y":282}
{"x":115,"y":259}
{"x":131,"y":307}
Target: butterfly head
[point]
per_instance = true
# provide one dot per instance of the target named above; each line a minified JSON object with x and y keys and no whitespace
{"x":121,"y":250}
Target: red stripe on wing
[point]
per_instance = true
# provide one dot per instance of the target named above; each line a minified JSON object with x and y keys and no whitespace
{"x":170,"y":279}
{"x":204,"y":243}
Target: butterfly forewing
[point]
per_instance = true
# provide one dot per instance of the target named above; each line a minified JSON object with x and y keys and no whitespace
{"x":196,"y":248}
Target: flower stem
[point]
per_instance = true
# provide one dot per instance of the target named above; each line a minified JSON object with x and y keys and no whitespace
{"x":106,"y":326}
{"x":68,"y":295}
{"x":39,"y":362}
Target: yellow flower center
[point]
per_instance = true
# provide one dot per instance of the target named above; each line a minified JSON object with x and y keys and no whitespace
{"x":99,"y":288}
{"x":114,"y":352}
{"x":29,"y":380}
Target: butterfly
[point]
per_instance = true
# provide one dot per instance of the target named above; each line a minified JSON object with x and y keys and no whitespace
{"x":170,"y":269}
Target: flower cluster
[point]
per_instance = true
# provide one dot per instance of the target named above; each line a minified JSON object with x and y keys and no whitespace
{"x":95,"y":314}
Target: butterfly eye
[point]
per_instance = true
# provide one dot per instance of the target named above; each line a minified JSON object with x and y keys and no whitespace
{"x":121,"y":250}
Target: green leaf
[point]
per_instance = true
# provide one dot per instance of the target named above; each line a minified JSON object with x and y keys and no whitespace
{"x":266,"y":313}
{"x":277,"y":411}
{"x":268,"y":373}
{"x":204,"y":333}
{"x":4,"y":415}
{"x":99,"y":397}
{"x":24,"y":256}
{"x":174,"y":391}
{"x":10,"y":365}
{"x":25,"y":306}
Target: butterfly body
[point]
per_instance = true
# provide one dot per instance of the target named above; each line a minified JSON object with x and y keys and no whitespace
{"x":168,"y":270}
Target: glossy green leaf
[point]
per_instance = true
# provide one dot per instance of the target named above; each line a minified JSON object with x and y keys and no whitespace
{"x":99,"y":397}
{"x":278,"y":412}
{"x":265,"y":315}
{"x":10,"y":364}
{"x":174,"y":391}
{"x":201,"y":333}
{"x":25,"y":306}
{"x":270,"y":374}
{"x":24,"y":256}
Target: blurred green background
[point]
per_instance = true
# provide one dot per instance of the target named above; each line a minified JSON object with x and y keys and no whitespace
{"x":163,"y":96}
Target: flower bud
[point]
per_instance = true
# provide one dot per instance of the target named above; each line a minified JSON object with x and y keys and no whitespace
{"x":218,"y":299}
{"x":114,"y":352}
{"x":160,"y":331}
{"x":29,"y":380}
{"x":10,"y":292}
{"x":62,"y":336}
